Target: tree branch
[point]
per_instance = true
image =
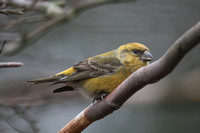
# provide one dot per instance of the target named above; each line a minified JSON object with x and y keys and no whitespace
{"x":144,"y":76}
{"x":19,"y":114}
{"x":11,"y":11}
{"x":23,"y":20}
{"x":60,"y":17}
{"x":43,"y":6}
{"x":22,"y":113}
{"x":8,"y":64}
{"x":1,"y":49}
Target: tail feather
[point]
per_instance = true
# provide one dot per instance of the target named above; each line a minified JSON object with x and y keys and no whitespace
{"x":54,"y":78}
{"x":64,"y":88}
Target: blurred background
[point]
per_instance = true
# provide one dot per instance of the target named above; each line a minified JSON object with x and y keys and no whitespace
{"x":170,"y":105}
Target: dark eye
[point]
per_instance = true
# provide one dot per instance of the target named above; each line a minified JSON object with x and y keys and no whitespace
{"x":137,"y":52}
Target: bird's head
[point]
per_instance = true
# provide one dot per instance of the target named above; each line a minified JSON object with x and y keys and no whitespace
{"x":134,"y":54}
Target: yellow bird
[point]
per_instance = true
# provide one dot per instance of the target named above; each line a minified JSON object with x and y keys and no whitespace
{"x":101,"y":74}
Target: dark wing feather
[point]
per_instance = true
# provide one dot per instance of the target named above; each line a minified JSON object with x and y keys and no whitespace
{"x":82,"y":66}
{"x":86,"y":69}
{"x":108,"y":64}
{"x":64,"y":88}
{"x":90,"y":68}
{"x":94,"y":67}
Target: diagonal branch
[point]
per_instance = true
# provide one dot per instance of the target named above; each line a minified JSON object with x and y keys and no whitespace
{"x":1,"y":49}
{"x":144,"y":76}
{"x":11,"y":11}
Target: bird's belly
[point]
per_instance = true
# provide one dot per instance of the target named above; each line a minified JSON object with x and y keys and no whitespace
{"x":95,"y":87}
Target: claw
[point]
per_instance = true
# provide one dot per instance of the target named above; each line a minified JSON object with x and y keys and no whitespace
{"x":100,"y":98}
{"x":95,"y":100}
{"x":104,"y":95}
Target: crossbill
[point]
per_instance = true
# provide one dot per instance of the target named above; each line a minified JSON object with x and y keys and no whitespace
{"x":101,"y":74}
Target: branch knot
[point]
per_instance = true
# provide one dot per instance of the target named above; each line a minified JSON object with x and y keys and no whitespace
{"x":112,"y":105}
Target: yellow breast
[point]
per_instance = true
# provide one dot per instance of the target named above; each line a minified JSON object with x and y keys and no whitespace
{"x":106,"y":83}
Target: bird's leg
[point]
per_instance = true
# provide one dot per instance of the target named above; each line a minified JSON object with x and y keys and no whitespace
{"x":96,"y":100}
{"x":100,"y":98}
{"x":104,"y":95}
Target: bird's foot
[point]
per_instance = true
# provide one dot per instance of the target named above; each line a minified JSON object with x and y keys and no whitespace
{"x":104,"y":95}
{"x":95,"y":100}
{"x":100,"y":98}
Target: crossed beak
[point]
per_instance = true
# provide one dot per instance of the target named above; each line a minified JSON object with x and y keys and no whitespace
{"x":146,"y":56}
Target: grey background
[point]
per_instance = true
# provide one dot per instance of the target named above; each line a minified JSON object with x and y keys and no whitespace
{"x":171,"y":105}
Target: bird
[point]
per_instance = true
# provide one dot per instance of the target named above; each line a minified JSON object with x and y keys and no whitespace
{"x":99,"y":75}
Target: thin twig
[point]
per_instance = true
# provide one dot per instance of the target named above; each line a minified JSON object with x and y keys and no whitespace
{"x":22,"y":113}
{"x":1,"y":49}
{"x":8,"y":64}
{"x":62,"y":16}
{"x":13,"y":127}
{"x":43,"y":6}
{"x":24,"y":20}
{"x":11,"y":11}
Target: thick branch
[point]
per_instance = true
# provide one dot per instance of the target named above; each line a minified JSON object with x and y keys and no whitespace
{"x":146,"y":75}
{"x":78,"y":124}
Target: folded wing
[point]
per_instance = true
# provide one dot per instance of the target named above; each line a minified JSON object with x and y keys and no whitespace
{"x":90,"y":68}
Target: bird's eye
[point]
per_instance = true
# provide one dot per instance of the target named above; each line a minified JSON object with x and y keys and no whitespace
{"x":137,"y":52}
